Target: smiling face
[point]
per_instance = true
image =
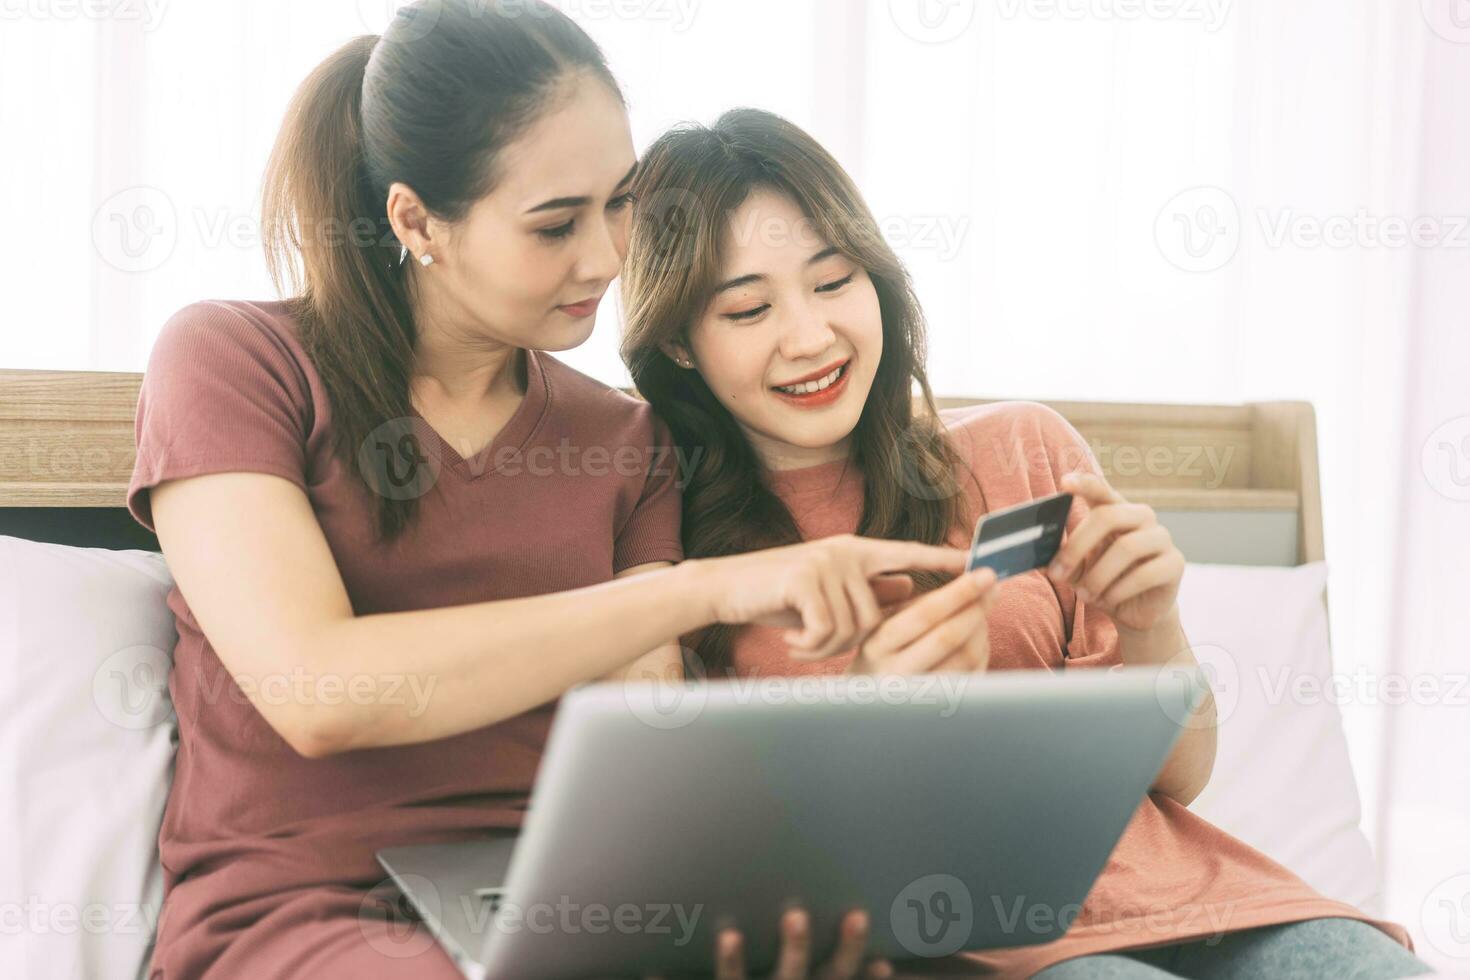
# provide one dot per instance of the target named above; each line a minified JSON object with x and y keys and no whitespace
{"x":529,"y":262}
{"x":791,"y":339}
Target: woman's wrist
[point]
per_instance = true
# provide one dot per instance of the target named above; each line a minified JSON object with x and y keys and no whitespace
{"x":1158,"y":644}
{"x":693,"y":586}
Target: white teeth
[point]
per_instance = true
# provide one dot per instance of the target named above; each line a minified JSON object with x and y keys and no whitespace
{"x":808,"y":387}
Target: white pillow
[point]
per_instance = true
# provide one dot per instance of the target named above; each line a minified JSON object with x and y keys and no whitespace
{"x":1282,"y":782}
{"x":87,"y":740}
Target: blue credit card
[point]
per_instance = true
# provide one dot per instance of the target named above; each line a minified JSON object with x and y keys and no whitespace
{"x":1020,"y":538}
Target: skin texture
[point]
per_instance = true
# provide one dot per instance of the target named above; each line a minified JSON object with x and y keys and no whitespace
{"x":803,"y":311}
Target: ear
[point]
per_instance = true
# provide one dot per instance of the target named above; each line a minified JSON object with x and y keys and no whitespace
{"x":677,"y":353}
{"x":410,"y":220}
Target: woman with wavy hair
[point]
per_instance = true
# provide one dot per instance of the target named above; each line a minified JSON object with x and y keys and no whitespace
{"x":773,"y":329}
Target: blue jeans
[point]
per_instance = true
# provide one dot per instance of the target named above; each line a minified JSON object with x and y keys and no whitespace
{"x":1344,"y":949}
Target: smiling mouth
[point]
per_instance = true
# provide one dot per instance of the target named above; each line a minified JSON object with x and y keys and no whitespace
{"x":815,"y":385}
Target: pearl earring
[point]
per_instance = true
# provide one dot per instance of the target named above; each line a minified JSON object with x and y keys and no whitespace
{"x":426,"y":259}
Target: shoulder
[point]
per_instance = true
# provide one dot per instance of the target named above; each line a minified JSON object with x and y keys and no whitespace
{"x":232,"y":336}
{"x":598,"y":409}
{"x":1017,"y":440}
{"x":1028,"y":420}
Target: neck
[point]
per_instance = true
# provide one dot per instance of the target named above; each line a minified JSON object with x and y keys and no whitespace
{"x":777,"y":455}
{"x":455,"y":362}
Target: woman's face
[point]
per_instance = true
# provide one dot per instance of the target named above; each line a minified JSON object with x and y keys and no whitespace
{"x":528,"y":264}
{"x":791,"y":340}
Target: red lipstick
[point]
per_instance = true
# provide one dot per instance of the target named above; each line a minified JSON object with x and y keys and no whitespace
{"x":822,"y":398}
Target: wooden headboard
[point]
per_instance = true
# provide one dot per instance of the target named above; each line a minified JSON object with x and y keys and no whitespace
{"x":1235,"y":484}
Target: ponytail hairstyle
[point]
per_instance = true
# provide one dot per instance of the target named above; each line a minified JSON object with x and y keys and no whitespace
{"x":431,"y":103}
{"x":690,"y":183}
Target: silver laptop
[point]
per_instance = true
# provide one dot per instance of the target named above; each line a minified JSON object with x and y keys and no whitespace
{"x":962,"y":811}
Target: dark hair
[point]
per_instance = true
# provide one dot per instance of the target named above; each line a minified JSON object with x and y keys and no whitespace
{"x":689,"y":184}
{"x":431,"y":103}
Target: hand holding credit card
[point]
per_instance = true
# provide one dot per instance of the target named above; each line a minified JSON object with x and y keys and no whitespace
{"x":1020,"y":538}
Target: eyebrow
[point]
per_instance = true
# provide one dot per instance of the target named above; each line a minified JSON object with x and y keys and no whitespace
{"x":577,"y":202}
{"x":739,"y":281}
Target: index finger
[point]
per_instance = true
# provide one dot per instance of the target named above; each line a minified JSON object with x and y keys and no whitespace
{"x":879,"y":556}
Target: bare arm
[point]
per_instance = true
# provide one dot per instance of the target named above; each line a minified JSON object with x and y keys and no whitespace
{"x":1121,"y":560}
{"x":1186,"y":772}
{"x":250,"y":558}
{"x":667,"y":662}
{"x":471,"y":665}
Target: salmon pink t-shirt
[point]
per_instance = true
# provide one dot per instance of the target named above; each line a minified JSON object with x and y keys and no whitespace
{"x":1173,"y":876}
{"x":268,"y":856}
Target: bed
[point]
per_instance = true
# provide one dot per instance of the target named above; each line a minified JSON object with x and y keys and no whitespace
{"x":1237,"y":485}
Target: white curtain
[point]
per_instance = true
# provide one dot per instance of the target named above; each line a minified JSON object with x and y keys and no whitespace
{"x":1143,"y":200}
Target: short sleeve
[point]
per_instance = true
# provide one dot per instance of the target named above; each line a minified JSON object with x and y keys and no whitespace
{"x":221,"y":393}
{"x":1092,"y":637}
{"x":652,"y":531}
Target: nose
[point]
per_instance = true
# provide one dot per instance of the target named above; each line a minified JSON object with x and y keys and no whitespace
{"x":602,"y":256}
{"x":807,"y":335}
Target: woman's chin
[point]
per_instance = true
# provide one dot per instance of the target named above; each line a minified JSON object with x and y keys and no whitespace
{"x":566,"y":337}
{"x":816,"y":436}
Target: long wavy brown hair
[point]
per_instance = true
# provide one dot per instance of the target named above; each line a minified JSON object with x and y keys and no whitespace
{"x":689,"y":184}
{"x":433,"y":102}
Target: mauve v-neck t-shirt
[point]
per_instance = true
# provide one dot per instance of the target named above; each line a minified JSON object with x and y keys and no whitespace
{"x":1173,"y":875}
{"x":267,"y":855}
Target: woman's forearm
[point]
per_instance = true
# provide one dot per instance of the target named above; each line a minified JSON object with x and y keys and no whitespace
{"x":1187,"y":770}
{"x":481,"y":663}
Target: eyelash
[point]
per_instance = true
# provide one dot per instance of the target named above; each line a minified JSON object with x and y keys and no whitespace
{"x":751,"y":314}
{"x":565,"y":230}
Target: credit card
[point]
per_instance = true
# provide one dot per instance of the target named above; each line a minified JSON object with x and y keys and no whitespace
{"x":1020,"y":538}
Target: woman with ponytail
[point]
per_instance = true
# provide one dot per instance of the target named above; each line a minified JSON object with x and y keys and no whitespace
{"x":399,"y":528}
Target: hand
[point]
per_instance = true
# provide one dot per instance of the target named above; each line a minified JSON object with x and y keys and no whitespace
{"x":1119,"y":558}
{"x":796,"y":942}
{"x":945,"y":630}
{"x":826,"y":593}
